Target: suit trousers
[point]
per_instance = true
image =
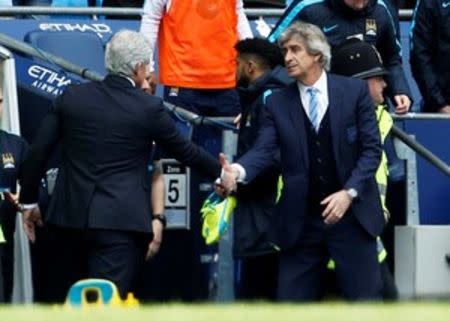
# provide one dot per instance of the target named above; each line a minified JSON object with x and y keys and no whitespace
{"x":258,"y":277}
{"x":302,"y":269}
{"x":75,"y":254}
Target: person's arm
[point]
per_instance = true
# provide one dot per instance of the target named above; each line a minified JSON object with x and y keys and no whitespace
{"x":288,"y":16}
{"x":157,"y":199}
{"x":391,"y":52}
{"x":167,"y":136}
{"x":33,"y":167}
{"x":368,"y":141}
{"x":262,"y":154}
{"x":151,"y":19}
{"x":243,"y":26}
{"x":369,"y":145}
{"x":423,"y":43}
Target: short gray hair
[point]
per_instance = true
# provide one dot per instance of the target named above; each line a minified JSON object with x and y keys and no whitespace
{"x":312,"y":37}
{"x":125,"y":51}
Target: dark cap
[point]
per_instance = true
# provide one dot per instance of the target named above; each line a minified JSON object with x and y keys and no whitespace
{"x":356,"y":58}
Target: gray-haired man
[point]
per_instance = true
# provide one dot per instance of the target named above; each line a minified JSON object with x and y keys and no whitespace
{"x":100,"y":210}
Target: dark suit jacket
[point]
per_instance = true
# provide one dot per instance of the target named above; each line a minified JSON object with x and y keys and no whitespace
{"x":106,"y":130}
{"x":356,"y":147}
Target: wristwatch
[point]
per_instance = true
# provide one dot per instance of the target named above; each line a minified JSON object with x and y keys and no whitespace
{"x":353,"y":193}
{"x":161,"y":218}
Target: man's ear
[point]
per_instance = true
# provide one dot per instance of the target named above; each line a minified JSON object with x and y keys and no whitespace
{"x":251,"y":67}
{"x":317,"y":57}
{"x":136,"y":70}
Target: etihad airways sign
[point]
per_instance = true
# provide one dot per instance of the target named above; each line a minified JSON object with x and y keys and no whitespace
{"x":101,"y":29}
{"x":48,"y":80}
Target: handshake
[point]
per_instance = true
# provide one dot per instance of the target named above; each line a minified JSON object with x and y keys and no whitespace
{"x":231,"y":174}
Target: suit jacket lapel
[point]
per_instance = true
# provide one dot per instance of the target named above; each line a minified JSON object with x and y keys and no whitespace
{"x":295,"y":107}
{"x":334,"y":106}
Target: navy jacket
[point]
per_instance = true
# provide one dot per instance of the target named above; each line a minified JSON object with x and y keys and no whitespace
{"x":374,"y":25}
{"x":256,"y":200}
{"x":106,"y":131}
{"x":356,"y":149}
{"x":430,"y":52}
{"x":12,"y":152}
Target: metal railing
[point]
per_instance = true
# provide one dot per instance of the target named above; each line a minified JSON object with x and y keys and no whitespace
{"x":197,"y":119}
{"x":404,"y":14}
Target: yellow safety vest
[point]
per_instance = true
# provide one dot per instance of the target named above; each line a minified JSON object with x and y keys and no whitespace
{"x":385,"y":123}
{"x":2,"y":237}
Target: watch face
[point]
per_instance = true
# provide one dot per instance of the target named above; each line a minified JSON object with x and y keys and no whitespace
{"x":352,"y":192}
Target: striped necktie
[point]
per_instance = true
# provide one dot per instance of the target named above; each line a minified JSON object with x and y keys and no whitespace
{"x":313,"y":107}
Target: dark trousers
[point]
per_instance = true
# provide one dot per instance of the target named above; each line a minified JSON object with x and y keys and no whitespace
{"x":205,"y":102}
{"x":258,"y":277}
{"x":74,"y":254}
{"x":303,"y":268}
{"x":8,"y":224}
{"x":2,"y":295}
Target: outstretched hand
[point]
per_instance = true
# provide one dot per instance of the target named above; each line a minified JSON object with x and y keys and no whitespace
{"x":229,"y":176}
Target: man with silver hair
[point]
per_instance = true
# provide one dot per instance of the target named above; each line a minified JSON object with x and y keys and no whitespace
{"x":100,"y":213}
{"x":325,"y":128}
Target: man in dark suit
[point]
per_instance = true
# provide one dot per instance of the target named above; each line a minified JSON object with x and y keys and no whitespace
{"x":325,"y":128}
{"x":100,"y":209}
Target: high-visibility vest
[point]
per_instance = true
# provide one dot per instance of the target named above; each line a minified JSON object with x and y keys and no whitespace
{"x":196,"y":44}
{"x":2,"y":237}
{"x":385,"y":123}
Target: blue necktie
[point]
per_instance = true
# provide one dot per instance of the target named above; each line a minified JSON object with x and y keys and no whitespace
{"x":313,"y":107}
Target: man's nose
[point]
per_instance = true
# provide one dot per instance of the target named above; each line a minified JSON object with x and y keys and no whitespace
{"x":287,"y":56}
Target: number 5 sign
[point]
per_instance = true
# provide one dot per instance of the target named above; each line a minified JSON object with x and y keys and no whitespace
{"x":176,"y":178}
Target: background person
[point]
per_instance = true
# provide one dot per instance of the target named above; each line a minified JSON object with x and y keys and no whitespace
{"x":367,"y":20}
{"x":259,"y":73}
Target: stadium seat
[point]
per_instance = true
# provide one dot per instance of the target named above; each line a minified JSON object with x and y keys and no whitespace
{"x":81,"y":48}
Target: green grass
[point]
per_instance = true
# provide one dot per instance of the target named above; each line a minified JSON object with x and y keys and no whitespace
{"x":413,"y":311}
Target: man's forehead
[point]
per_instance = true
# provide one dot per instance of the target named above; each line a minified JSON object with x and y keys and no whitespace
{"x":295,"y":39}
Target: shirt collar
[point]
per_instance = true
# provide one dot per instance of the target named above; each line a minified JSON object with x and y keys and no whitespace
{"x":128,"y":78}
{"x":320,"y":85}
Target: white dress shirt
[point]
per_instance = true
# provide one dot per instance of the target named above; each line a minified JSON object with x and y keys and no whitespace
{"x":322,"y":92}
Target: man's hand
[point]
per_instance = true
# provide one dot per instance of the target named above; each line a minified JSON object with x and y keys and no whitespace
{"x":155,"y":244}
{"x":31,"y":218}
{"x":228,"y":179}
{"x":237,"y":121}
{"x":402,"y":104}
{"x":445,"y":109}
{"x":337,"y":205}
{"x":12,"y":198}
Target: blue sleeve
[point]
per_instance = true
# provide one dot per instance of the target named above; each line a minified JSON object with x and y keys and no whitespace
{"x":423,"y":44}
{"x":262,"y":154}
{"x":391,"y":53}
{"x":292,"y":13}
{"x":368,"y":141}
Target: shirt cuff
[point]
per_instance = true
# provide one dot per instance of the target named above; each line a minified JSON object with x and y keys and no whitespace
{"x":28,"y":206}
{"x":241,"y":171}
